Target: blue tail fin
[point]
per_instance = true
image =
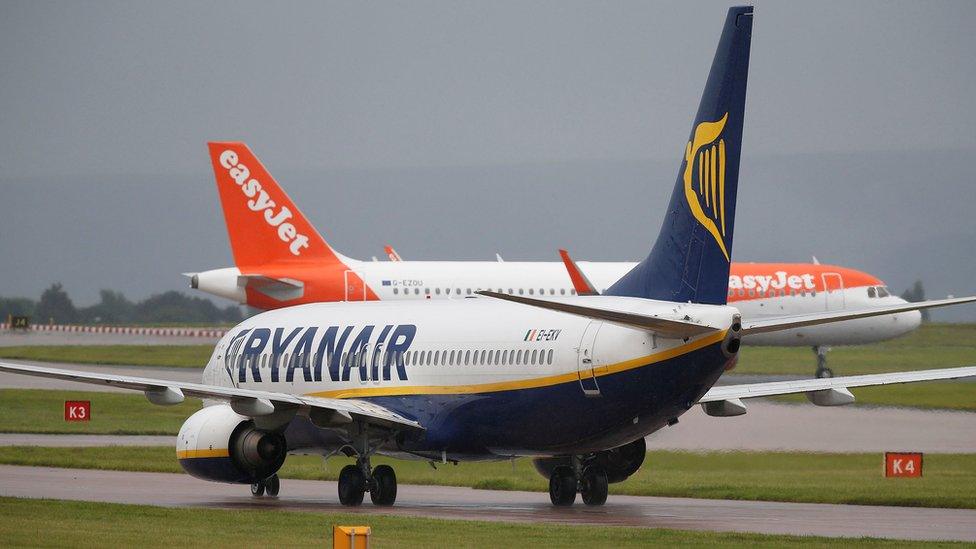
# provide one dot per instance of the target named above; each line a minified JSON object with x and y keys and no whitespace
{"x":690,"y":260}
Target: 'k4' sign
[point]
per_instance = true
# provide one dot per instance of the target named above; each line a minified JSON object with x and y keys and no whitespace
{"x":77,"y":410}
{"x":903,"y":464}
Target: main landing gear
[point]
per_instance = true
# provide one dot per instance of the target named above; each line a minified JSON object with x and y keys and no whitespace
{"x":822,"y":369}
{"x":269,"y":486}
{"x":356,"y":480}
{"x":590,"y":481}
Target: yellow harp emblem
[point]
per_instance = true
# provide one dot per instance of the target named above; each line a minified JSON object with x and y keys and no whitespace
{"x":707,"y":199}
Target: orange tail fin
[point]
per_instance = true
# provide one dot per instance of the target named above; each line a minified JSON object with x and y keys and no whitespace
{"x":263,"y":224}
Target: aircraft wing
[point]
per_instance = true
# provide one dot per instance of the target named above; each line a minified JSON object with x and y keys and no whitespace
{"x":726,"y":400}
{"x":665,"y":326}
{"x":246,"y":402}
{"x":774,"y":388}
{"x":776,"y":324}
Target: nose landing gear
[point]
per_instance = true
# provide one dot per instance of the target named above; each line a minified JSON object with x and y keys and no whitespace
{"x":269,"y":486}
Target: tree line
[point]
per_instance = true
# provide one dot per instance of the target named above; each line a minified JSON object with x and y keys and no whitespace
{"x":56,"y":306}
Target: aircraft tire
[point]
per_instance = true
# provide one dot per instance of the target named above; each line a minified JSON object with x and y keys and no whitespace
{"x":562,"y":486}
{"x":594,"y":486}
{"x":257,"y":489}
{"x":384,"y":486}
{"x":352,"y":486}
{"x":272,"y":485}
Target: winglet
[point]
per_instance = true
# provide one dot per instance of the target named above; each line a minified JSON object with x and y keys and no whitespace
{"x":391,"y":253}
{"x":582,"y":284}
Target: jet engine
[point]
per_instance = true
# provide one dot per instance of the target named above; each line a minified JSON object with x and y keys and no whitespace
{"x":220,"y":445}
{"x":619,"y":463}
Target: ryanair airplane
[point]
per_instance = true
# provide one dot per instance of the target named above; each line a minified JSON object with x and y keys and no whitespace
{"x":575,"y":383}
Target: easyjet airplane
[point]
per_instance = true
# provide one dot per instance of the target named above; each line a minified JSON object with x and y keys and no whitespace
{"x":282,"y":261}
{"x":575,"y":382}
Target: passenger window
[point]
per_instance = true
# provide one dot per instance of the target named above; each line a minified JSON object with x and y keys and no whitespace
{"x":549,"y":358}
{"x":752,"y":293}
{"x":427,"y":291}
{"x":469,"y":291}
{"x":518,"y":357}
{"x":813,"y":293}
{"x":511,"y":292}
{"x":436,"y":354}
{"x":871,"y":292}
{"x":531,"y":291}
{"x":504,"y":358}
{"x":437,"y":291}
{"x":533,"y":356}
{"x":521,"y":291}
{"x":452,"y":362}
{"x":562,"y":291}
{"x":482,"y":361}
{"x":467,"y":357}
{"x":396,"y":291}
{"x":572,"y":292}
{"x":491,"y":356}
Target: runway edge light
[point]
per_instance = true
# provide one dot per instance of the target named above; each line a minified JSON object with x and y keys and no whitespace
{"x":351,"y":537}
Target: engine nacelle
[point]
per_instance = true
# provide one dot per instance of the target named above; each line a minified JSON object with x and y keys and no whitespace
{"x":619,"y":463}
{"x":220,"y":445}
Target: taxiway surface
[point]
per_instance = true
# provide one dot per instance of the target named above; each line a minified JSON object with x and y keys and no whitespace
{"x":173,"y":490}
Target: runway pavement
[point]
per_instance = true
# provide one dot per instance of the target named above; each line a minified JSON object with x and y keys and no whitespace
{"x":80,"y":441}
{"x":172,"y":490}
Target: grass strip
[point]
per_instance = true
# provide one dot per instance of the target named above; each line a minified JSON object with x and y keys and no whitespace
{"x":175,"y":356}
{"x":49,"y":523}
{"x":42,"y":411}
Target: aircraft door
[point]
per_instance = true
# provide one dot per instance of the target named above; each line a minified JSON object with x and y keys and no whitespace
{"x":833,"y":291}
{"x":355,"y":286}
{"x":586,"y":365}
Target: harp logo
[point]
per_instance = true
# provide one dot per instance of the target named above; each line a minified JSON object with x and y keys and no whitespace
{"x":705,"y":157}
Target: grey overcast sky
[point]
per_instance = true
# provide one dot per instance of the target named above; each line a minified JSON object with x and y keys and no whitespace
{"x":457,"y":129}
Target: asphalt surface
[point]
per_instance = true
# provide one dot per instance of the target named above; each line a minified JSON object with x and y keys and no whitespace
{"x":172,"y":490}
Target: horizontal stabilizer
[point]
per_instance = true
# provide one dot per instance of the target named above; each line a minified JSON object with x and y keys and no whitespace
{"x":799,"y":321}
{"x":823,"y":386}
{"x":282,"y":289}
{"x":667,"y":327}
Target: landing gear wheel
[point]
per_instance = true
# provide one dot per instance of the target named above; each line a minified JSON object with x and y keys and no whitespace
{"x":257,"y":489}
{"x":824,"y":372}
{"x":272,"y":484}
{"x":352,"y":485}
{"x":594,"y":485}
{"x":383,"y":489}
{"x":562,"y":486}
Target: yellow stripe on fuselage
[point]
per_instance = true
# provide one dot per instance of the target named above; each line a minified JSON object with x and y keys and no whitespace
{"x":357,"y":392}
{"x":192,"y":454}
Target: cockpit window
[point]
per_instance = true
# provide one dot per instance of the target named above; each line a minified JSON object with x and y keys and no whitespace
{"x":871,"y":292}
{"x":883,"y":291}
